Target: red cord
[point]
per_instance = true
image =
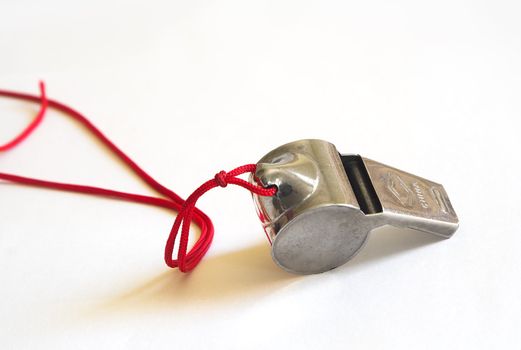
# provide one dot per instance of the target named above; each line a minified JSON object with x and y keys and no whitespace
{"x":186,"y":259}
{"x":33,"y":125}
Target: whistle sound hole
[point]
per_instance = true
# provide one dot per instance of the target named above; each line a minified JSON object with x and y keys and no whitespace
{"x":361,"y":183}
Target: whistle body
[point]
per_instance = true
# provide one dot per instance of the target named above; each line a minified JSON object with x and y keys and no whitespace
{"x":327,"y":204}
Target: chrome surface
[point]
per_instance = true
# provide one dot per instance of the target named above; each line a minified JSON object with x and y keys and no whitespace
{"x":315,"y":223}
{"x":411,"y":201}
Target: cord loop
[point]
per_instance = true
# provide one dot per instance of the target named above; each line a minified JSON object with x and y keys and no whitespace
{"x":187,"y":211}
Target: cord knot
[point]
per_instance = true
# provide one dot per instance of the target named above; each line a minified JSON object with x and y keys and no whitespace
{"x":220,"y":178}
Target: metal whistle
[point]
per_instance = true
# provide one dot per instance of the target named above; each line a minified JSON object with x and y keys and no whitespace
{"x":327,"y":204}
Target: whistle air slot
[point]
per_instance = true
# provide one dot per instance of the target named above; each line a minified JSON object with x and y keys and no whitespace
{"x":361,"y":183}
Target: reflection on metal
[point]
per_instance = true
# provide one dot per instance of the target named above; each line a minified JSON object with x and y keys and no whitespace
{"x":327,"y":204}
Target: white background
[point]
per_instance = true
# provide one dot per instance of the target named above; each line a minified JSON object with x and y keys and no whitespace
{"x":192,"y":87}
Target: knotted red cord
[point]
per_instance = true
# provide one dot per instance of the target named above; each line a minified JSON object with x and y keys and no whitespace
{"x":185,"y":261}
{"x":184,"y":217}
